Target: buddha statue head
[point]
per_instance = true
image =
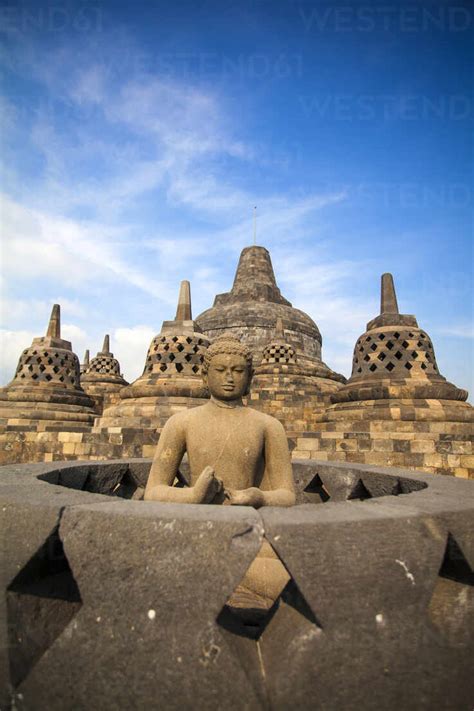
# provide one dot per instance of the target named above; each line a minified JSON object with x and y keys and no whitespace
{"x":227,"y":369}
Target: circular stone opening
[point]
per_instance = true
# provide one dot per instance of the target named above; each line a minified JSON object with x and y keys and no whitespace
{"x":315,"y":482}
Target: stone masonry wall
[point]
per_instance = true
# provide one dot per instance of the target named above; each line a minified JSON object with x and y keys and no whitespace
{"x":435,"y":447}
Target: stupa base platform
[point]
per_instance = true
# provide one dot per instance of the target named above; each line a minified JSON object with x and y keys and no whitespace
{"x":145,"y":412}
{"x":297,"y":403}
{"x":424,"y":439}
{"x":23,"y":445}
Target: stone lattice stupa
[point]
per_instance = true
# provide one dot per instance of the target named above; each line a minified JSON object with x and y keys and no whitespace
{"x":396,"y":409}
{"x":171,"y":379}
{"x":286,"y":389}
{"x":45,"y":393}
{"x":101,"y":377}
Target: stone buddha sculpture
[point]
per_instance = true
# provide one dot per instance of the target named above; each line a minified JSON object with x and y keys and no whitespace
{"x":237,"y":456}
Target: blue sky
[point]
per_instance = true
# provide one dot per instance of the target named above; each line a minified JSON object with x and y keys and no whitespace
{"x":137,"y":137}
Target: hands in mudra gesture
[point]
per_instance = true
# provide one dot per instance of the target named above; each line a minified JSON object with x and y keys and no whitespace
{"x":210,"y":489}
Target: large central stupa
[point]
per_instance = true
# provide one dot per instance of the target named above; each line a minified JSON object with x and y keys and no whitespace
{"x":254,"y":307}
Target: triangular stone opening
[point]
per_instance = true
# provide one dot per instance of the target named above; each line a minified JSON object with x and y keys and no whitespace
{"x":454,"y":565}
{"x":259,"y":595}
{"x":359,"y":492}
{"x":41,"y":601}
{"x":397,"y":489}
{"x":315,"y":492}
{"x":258,"y":627}
{"x":452,"y":600}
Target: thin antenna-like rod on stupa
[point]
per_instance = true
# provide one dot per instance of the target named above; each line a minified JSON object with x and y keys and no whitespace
{"x":183,"y":312}
{"x":388,"y":296}
{"x":255,"y":225}
{"x":54,"y":326}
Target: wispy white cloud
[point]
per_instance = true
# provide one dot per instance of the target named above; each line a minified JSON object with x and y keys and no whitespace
{"x":456,"y":330}
{"x":136,"y":189}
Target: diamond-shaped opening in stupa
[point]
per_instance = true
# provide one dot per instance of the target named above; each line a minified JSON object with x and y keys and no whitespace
{"x":261,"y":600}
{"x":41,"y":601}
{"x":451,"y":607}
{"x":315,"y":492}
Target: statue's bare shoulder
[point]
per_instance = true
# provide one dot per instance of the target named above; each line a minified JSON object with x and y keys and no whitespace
{"x":267,"y":422}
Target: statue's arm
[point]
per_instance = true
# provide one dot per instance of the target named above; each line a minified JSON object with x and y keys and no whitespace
{"x":278,"y":469}
{"x":168,"y":456}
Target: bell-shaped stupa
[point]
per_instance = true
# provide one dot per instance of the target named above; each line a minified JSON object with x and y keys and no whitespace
{"x":395,"y":358}
{"x":102,"y":379}
{"x":45,"y":391}
{"x":171,"y":379}
{"x":396,"y":409}
{"x":287,"y":389}
{"x":251,"y":310}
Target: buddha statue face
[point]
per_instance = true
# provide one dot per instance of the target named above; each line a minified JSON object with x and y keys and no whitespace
{"x":227,"y":376}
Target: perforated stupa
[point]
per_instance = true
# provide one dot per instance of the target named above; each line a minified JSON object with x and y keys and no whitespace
{"x":102,"y":378}
{"x":45,"y":391}
{"x":171,"y":378}
{"x":396,"y":409}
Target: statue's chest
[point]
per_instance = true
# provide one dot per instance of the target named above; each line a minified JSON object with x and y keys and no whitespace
{"x":233,"y":443}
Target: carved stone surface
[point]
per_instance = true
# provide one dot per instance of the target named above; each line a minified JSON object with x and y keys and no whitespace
{"x":377,"y":612}
{"x":46,"y":385}
{"x":395,"y":358}
{"x":171,"y":376}
{"x":102,"y":379}
{"x":176,"y":355}
{"x":254,"y":311}
{"x":396,"y":409}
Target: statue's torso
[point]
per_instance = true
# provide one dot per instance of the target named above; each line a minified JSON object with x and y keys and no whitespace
{"x":231,"y":440}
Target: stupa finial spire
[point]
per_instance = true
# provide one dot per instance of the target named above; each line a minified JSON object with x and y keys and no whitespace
{"x":388,"y":296}
{"x":54,"y":326}
{"x":279,"y":328}
{"x":255,"y":225}
{"x":86,"y":357}
{"x":183,"y":312}
{"x":106,"y":345}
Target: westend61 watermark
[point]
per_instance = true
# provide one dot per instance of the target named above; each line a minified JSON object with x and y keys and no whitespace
{"x":51,"y":18}
{"x":370,"y":107}
{"x":412,"y":194}
{"x":257,"y":65}
{"x":376,"y":17}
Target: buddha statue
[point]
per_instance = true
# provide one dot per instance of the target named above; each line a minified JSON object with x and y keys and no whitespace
{"x":237,"y":456}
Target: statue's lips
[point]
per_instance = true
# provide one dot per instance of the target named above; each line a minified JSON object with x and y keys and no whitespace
{"x":228,"y":387}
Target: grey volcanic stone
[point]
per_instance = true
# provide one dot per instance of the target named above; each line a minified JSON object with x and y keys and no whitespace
{"x":369,"y":577}
{"x":179,"y":565}
{"x":124,"y":607}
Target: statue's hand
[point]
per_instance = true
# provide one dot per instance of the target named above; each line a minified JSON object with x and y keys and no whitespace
{"x":207,"y":486}
{"x":247,"y":497}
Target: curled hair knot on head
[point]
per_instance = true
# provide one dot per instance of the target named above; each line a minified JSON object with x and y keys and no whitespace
{"x":228,"y":345}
